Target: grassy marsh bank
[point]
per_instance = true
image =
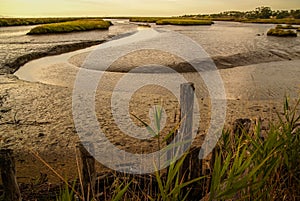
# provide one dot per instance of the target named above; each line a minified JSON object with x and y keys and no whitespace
{"x":172,"y":20}
{"x":183,"y":22}
{"x":145,"y":19}
{"x":272,"y":21}
{"x":33,"y":21}
{"x":66,"y":27}
{"x":230,"y":19}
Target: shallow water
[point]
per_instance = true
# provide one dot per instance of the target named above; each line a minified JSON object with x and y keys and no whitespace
{"x":228,"y":38}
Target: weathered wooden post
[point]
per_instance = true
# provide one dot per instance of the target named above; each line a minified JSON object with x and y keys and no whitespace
{"x":186,"y":127}
{"x":8,"y":175}
{"x":186,"y":120}
{"x":186,"y":112}
{"x":192,"y":165}
{"x":87,"y":169}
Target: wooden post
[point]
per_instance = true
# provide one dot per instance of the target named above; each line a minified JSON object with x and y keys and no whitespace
{"x":87,"y":171}
{"x":186,"y":111}
{"x":8,"y":171}
{"x":186,"y":117}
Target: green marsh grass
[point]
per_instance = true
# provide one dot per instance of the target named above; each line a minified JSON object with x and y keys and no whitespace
{"x":66,"y":193}
{"x":183,"y":22}
{"x":145,"y":19}
{"x":271,"y":21}
{"x":251,"y":167}
{"x":66,"y":27}
{"x":172,"y":186}
{"x":172,"y":21}
{"x":34,"y":21}
{"x":285,"y":27}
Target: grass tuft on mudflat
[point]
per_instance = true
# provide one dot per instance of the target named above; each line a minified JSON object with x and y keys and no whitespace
{"x":183,"y":22}
{"x":285,"y":27}
{"x":282,"y":33}
{"x":145,"y":19}
{"x":72,"y":26}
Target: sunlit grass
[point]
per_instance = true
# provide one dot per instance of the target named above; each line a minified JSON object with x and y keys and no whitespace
{"x":183,"y":22}
{"x":145,"y":19}
{"x":66,"y":27}
{"x":34,"y":21}
{"x":172,"y":21}
{"x":253,"y":166}
{"x":272,"y":21}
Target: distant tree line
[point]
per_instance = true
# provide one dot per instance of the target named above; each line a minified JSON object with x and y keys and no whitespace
{"x":259,"y":13}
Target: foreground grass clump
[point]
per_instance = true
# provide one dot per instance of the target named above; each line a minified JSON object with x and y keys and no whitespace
{"x":66,"y":27}
{"x":257,"y":166}
{"x":281,"y":33}
{"x":32,"y":21}
{"x":183,"y":22}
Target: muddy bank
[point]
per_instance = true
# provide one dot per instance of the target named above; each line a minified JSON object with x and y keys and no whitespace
{"x":14,"y":65}
{"x":39,"y":117}
{"x":221,"y":62}
{"x":254,"y":57}
{"x":180,"y":66}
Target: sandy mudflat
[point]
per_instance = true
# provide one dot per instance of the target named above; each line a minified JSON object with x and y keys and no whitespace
{"x":38,"y":115}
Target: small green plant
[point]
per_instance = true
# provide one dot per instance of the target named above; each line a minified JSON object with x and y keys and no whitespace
{"x":172,"y":186}
{"x":66,"y":27}
{"x":67,"y":193}
{"x":120,"y":191}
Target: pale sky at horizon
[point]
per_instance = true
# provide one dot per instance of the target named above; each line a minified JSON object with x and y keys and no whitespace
{"x":40,"y":8}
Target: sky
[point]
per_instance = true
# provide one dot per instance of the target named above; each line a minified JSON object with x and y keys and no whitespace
{"x":52,"y":8}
